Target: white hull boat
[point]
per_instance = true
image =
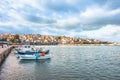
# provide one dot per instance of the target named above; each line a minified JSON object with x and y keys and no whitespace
{"x":47,"y":56}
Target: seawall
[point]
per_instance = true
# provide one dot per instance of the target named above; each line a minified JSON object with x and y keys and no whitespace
{"x":4,"y":52}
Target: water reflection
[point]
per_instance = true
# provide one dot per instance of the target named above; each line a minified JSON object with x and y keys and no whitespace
{"x":34,"y":61}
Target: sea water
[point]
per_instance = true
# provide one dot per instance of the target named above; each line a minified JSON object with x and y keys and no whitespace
{"x":66,"y":63}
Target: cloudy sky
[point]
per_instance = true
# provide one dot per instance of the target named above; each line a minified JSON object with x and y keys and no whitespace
{"x":99,"y":19}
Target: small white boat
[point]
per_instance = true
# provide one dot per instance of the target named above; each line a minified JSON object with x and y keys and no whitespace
{"x":24,"y":48}
{"x":34,"y":56}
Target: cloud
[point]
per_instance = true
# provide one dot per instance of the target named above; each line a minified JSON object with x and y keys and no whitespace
{"x":97,"y":15}
{"x":61,"y":17}
{"x":112,"y":4}
{"x":90,"y":19}
{"x":39,"y":19}
{"x":108,"y":33}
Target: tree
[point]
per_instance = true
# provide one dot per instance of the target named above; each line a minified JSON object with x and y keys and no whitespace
{"x":16,"y":39}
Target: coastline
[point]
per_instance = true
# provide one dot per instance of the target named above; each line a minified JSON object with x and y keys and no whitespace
{"x":87,"y":45}
{"x":73,"y":45}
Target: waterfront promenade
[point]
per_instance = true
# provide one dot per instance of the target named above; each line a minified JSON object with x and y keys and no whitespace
{"x":4,"y":53}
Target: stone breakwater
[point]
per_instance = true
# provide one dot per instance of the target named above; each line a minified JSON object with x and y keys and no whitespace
{"x":4,"y":53}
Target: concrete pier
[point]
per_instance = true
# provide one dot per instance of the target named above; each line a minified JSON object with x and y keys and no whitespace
{"x":4,"y":53}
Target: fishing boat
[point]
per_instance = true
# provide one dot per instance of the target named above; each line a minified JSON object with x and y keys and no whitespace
{"x":31,"y":52}
{"x":34,"y":55}
{"x":24,"y":48}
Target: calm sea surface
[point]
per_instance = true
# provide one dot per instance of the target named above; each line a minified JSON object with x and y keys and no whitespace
{"x":66,"y":63}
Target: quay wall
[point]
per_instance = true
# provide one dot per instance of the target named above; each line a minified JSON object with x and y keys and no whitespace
{"x":4,"y":52}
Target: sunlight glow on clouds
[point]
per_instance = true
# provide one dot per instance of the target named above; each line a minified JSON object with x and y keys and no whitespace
{"x":105,"y":33}
{"x":79,"y":18}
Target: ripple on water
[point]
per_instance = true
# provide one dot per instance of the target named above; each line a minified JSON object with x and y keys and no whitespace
{"x":67,"y":63}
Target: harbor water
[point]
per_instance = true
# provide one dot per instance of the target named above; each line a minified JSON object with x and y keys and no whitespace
{"x":66,"y":63}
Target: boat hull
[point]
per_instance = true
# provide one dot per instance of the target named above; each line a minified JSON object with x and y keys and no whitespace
{"x":31,"y":52}
{"x":34,"y":57}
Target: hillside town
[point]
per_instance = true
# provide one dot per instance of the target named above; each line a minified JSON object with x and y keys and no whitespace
{"x":37,"y":39}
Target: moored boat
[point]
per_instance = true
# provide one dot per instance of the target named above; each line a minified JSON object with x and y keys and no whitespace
{"x":28,"y":52}
{"x":32,"y":52}
{"x":34,"y":56}
{"x":25,"y":48}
